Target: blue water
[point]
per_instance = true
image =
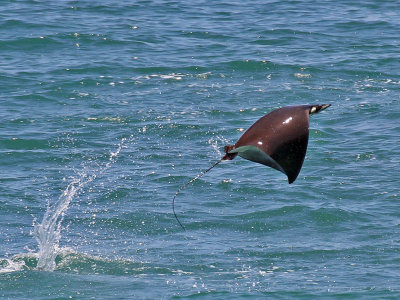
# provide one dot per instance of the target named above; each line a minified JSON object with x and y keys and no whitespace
{"x":108,"y":107}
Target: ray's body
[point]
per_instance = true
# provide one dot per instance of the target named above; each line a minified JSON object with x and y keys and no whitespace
{"x":278,"y":140}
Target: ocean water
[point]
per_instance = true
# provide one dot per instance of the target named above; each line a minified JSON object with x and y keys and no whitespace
{"x":108,"y":107}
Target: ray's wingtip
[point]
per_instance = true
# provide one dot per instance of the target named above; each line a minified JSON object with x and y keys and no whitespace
{"x":318,"y":108}
{"x":325,"y":106}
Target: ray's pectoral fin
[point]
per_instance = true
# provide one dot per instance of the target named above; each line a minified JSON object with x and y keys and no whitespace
{"x":290,"y":157}
{"x":257,"y":155}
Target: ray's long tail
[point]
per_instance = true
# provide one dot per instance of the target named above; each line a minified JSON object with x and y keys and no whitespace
{"x":186,"y":184}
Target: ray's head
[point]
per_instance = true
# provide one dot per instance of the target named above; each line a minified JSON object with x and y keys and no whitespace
{"x":317,"y":108}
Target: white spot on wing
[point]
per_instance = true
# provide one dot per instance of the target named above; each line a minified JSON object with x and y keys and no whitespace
{"x":287,"y":120}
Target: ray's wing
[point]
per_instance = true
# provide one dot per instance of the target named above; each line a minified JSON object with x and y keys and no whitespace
{"x":257,"y":155}
{"x":290,"y":155}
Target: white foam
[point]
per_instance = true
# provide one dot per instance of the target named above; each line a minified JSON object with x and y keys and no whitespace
{"x":11,"y":266}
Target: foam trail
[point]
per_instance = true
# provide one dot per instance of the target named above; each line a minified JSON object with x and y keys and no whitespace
{"x":48,"y":232}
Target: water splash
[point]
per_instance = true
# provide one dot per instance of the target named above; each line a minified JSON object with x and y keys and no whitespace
{"x":215,"y":142}
{"x":48,"y":232}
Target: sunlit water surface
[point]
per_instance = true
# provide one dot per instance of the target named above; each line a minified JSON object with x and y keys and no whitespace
{"x":108,"y":107}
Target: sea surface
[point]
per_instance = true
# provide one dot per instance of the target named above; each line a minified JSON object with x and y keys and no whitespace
{"x":108,"y":107}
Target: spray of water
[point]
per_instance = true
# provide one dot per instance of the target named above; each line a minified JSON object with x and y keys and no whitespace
{"x":215,"y":142}
{"x":48,"y":232}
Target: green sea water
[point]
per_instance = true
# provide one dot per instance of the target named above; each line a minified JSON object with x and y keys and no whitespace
{"x":108,"y":107}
